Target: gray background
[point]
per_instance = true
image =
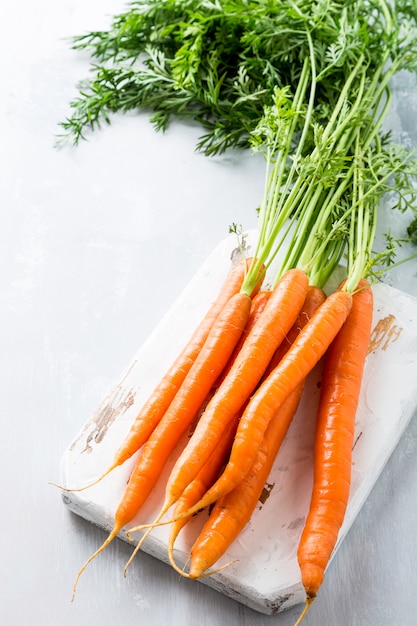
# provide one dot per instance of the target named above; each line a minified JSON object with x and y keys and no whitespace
{"x":95,"y":245}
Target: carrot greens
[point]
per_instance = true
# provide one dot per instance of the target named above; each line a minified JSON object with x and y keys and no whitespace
{"x":325,"y":66}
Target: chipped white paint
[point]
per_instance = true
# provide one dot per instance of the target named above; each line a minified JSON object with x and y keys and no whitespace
{"x":265,"y":575}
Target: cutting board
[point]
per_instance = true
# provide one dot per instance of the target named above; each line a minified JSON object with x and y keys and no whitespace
{"x":264,"y":574}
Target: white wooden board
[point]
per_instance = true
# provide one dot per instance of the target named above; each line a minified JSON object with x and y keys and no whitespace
{"x":265,"y":575}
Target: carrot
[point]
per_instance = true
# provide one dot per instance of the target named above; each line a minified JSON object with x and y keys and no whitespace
{"x":161,"y":397}
{"x":339,"y":396}
{"x":310,"y":345}
{"x":277,"y":318}
{"x":232,"y":512}
{"x":197,"y":488}
{"x":205,"y":370}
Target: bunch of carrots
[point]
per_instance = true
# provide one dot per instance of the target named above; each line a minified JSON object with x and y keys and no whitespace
{"x":243,"y":371}
{"x":255,"y":351}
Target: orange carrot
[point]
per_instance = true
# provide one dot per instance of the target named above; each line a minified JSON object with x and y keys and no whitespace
{"x":277,"y":318}
{"x":231,"y":513}
{"x":198,"y":487}
{"x":208,"y":365}
{"x":339,"y":395}
{"x":310,"y":345}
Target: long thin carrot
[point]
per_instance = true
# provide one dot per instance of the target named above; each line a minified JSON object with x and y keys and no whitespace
{"x":277,"y":318}
{"x":232,"y":512}
{"x":339,"y":395}
{"x":303,"y":355}
{"x":161,"y":397}
{"x":214,"y":355}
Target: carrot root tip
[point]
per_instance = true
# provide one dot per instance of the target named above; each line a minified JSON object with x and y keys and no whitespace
{"x":213,"y":571}
{"x":177,"y":568}
{"x":78,"y":489}
{"x":308,"y":603}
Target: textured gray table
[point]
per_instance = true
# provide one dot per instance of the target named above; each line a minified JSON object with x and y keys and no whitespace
{"x":95,"y":244}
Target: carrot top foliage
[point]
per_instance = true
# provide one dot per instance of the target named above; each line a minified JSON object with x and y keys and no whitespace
{"x":307,"y":82}
{"x":219,"y":61}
